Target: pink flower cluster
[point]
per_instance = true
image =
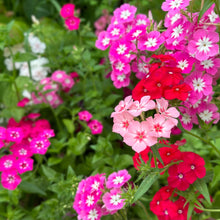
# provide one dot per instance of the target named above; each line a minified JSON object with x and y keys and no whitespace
{"x":140,"y":135}
{"x":96,"y":196}
{"x":95,"y":126}
{"x":67,"y":12}
{"x":50,"y":87}
{"x":22,"y":140}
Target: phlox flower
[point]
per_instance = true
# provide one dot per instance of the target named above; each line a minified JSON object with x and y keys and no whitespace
{"x":141,"y":19}
{"x":120,"y":67}
{"x":174,"y":5}
{"x":72,"y":23}
{"x":121,"y":122}
{"x":204,"y":44}
{"x":23,"y":102}
{"x":24,"y":165}
{"x":115,"y":31}
{"x":10,"y":179}
{"x":103,"y":41}
{"x":117,"y":179}
{"x":95,"y":126}
{"x":67,"y":10}
{"x":125,"y":13}
{"x":143,"y":155}
{"x":120,"y":80}
{"x":36,"y":45}
{"x":150,"y":41}
{"x":21,"y":150}
{"x":39,"y":145}
{"x":187,"y":118}
{"x":182,"y":209}
{"x":2,"y":133}
{"x":58,"y":76}
{"x":7,"y":162}
{"x":136,"y":32}
{"x":14,"y":134}
{"x":47,"y":133}
{"x":138,"y":136}
{"x":210,"y":16}
{"x":89,"y":200}
{"x":95,"y":184}
{"x":112,"y":200}
{"x":85,"y":116}
{"x":141,"y":67}
{"x":172,"y":17}
{"x":145,"y":104}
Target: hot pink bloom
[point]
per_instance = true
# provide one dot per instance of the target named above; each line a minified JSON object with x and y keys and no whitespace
{"x":95,"y":126}
{"x":141,"y":67}
{"x":24,"y":165}
{"x":136,"y":32}
{"x":115,"y":31}
{"x":113,"y":200}
{"x":174,"y":5}
{"x":33,"y":115}
{"x":117,"y":179}
{"x":141,"y":19}
{"x":120,"y":80}
{"x":21,"y":150}
{"x":67,"y":10}
{"x":58,"y":76}
{"x":72,"y":23}
{"x":204,"y":44}
{"x":125,"y":13}
{"x":47,"y":133}
{"x":39,"y":145}
{"x":85,"y":116}
{"x":10,"y":180}
{"x":2,"y":133}
{"x":14,"y":134}
{"x":7,"y":162}
{"x":138,"y":136}
{"x":67,"y":83}
{"x":23,"y":102}
{"x":120,"y":67}
{"x":103,"y":41}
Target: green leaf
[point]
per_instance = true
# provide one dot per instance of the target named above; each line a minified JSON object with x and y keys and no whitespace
{"x":69,"y":125}
{"x":206,"y":6}
{"x":54,"y":160}
{"x":70,"y":172}
{"x":190,"y":210}
{"x":15,"y":112}
{"x":31,"y":187}
{"x":48,"y":172}
{"x":24,"y":57}
{"x":156,"y":153}
{"x":4,"y":77}
{"x":200,"y":185}
{"x":145,"y":185}
{"x":123,"y":161}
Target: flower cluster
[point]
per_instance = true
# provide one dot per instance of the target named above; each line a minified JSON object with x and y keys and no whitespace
{"x":38,"y":69}
{"x":67,"y":12}
{"x":140,"y":135}
{"x":95,"y":126}
{"x":22,"y":140}
{"x":96,"y":196}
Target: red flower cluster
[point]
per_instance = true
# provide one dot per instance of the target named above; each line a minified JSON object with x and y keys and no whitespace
{"x":164,"y":80}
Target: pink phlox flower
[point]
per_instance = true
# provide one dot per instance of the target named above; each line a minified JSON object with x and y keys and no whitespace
{"x":96,"y":184}
{"x":112,"y":200}
{"x":33,"y":115}
{"x":24,"y":164}
{"x":7,"y":162}
{"x":123,"y":105}
{"x":141,"y":67}
{"x":21,"y":150}
{"x":23,"y":102}
{"x":150,"y":41}
{"x":161,"y":126}
{"x":45,"y":81}
{"x":136,"y":32}
{"x":72,"y":23}
{"x":10,"y":179}
{"x":120,"y":80}
{"x":93,"y":214}
{"x":138,"y":136}
{"x":141,"y":19}
{"x":121,"y":122}
{"x":115,"y":31}
{"x":42,"y":124}
{"x":67,"y":10}
{"x":204,"y":44}
{"x":2,"y":133}
{"x":95,"y":126}
{"x":172,"y":17}
{"x":58,"y":76}
{"x":50,"y":98}
{"x":125,"y":13}
{"x":103,"y":41}
{"x":39,"y":145}
{"x":117,"y":179}
{"x":68,"y":83}
{"x":14,"y":134}
{"x":210,"y":16}
{"x":187,"y":118}
{"x":176,"y":44}
{"x":47,"y":133}
{"x":174,"y":5}
{"x":84,"y":116}
{"x":89,"y":200}
{"x":120,"y":67}
{"x":169,"y":113}
{"x":145,"y":104}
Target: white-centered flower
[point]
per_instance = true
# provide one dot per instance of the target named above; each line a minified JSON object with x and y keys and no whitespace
{"x":22,"y":151}
{"x":206,"y":115}
{"x":136,"y":33}
{"x":141,"y":21}
{"x":96,"y":185}
{"x":182,"y":64}
{"x":186,"y":118}
{"x":175,"y":4}
{"x":198,"y":84}
{"x":115,"y":32}
{"x":177,"y":31}
{"x":118,"y":179}
{"x":10,"y":179}
{"x":8,"y":163}
{"x":151,"y":42}
{"x":119,"y":66}
{"x":204,"y":44}
{"x":105,"y":41}
{"x":207,"y":64}
{"x":175,"y":18}
{"x":121,"y":49}
{"x":212,"y":16}
{"x":90,"y":200}
{"x":115,"y":199}
{"x":121,"y":77}
{"x":143,"y":68}
{"x":93,"y":214}
{"x":125,"y":14}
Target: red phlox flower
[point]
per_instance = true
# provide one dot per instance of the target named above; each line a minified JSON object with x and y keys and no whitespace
{"x":143,"y":155}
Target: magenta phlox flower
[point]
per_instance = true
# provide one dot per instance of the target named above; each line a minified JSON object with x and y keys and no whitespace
{"x":84,"y":116}
{"x":120,"y":80}
{"x":210,"y":16}
{"x":95,"y":126}
{"x":47,"y":133}
{"x":14,"y":134}
{"x":10,"y":179}
{"x":22,"y":149}
{"x":136,"y":32}
{"x":117,"y":179}
{"x":7,"y":162}
{"x":125,"y":13}
{"x":39,"y":145}
{"x":103,"y":41}
{"x":187,"y":118}
{"x":141,"y":67}
{"x":89,"y":200}
{"x":120,"y":67}
{"x":2,"y":133}
{"x":67,"y":10}
{"x":72,"y":23}
{"x":121,"y":122}
{"x":145,"y":104}
{"x":95,"y":184}
{"x":112,"y":200}
{"x":138,"y":136}
{"x":115,"y":31}
{"x":141,"y":19}
{"x":204,"y":44}
{"x":175,"y":5}
{"x":172,"y":17}
{"x":24,"y":164}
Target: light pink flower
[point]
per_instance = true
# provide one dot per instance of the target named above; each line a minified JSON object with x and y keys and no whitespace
{"x":10,"y":179}
{"x":58,"y":76}
{"x":95,"y":126}
{"x":117,"y":179}
{"x":138,"y":136}
{"x":85,"y":116}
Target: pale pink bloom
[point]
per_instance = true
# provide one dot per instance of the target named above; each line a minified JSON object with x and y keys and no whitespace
{"x":138,"y":136}
{"x":123,"y":105}
{"x":67,"y":10}
{"x":121,"y":122}
{"x":117,"y":179}
{"x":150,"y":41}
{"x":39,"y":145}
{"x":67,"y":83}
{"x":24,"y":165}
{"x":170,"y":113}
{"x":115,"y":31}
{"x":125,"y":13}
{"x":141,"y":19}
{"x":174,"y":5}
{"x":85,"y":116}
{"x":101,"y":23}
{"x":120,"y":80}
{"x":7,"y":162}
{"x":187,"y":118}
{"x":161,"y":126}
{"x":103,"y":41}
{"x":144,"y":105}
{"x":112,"y":200}
{"x":72,"y":23}
{"x":95,"y":126}
{"x":10,"y":179}
{"x":204,"y":44}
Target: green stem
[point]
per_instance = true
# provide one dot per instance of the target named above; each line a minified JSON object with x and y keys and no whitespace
{"x":155,"y":160}
{"x":204,"y":140}
{"x":56,"y":118}
{"x":207,"y":210}
{"x":143,"y":207}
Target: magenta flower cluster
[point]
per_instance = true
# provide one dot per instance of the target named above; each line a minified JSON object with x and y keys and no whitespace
{"x":95,"y":126}
{"x":22,"y":140}
{"x":97,"y":196}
